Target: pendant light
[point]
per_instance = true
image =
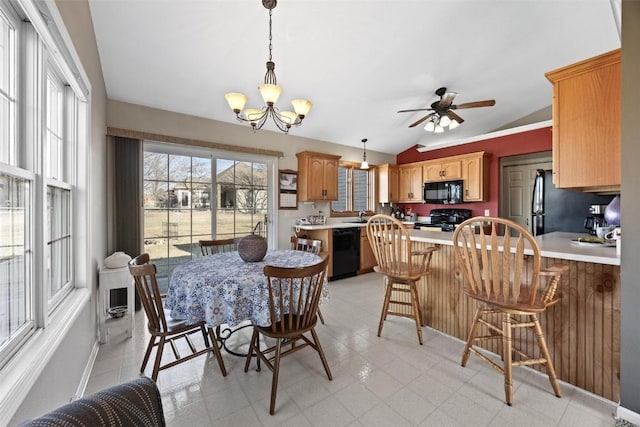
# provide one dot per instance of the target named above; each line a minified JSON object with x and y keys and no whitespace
{"x":364,"y":164}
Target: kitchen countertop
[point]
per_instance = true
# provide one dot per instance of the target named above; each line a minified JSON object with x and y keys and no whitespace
{"x":552,"y":245}
{"x":345,"y":224}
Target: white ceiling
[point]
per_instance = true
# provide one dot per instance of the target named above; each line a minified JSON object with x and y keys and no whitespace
{"x":358,"y":61}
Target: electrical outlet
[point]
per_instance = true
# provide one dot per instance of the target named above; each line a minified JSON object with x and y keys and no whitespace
{"x":486,"y":212}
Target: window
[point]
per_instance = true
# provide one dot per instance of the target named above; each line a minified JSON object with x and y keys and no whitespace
{"x":38,"y":174}
{"x":8,"y":89}
{"x":191,"y":196}
{"x":355,"y":190}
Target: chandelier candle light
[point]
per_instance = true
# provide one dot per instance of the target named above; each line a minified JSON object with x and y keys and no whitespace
{"x":270,"y":92}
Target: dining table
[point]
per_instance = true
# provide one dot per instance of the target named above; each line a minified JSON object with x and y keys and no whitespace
{"x":223,"y":289}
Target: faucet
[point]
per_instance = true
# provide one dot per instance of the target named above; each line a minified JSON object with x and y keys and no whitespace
{"x":361,"y":214}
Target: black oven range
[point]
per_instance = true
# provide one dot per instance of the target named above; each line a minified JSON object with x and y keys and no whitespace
{"x":444,"y":219}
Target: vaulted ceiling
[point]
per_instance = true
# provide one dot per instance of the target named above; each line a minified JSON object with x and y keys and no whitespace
{"x":358,"y":61}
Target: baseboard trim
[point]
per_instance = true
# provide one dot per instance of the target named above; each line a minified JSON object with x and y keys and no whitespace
{"x":628,"y":415}
{"x":82,"y":387}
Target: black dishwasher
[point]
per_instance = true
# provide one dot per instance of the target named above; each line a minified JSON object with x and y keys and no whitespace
{"x":346,"y":252}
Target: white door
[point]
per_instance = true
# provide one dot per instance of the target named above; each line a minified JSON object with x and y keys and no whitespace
{"x":517,"y":182}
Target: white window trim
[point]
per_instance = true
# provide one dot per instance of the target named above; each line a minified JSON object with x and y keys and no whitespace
{"x":20,"y":374}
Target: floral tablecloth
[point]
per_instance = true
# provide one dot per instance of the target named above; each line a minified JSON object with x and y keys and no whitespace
{"x":224,"y":289}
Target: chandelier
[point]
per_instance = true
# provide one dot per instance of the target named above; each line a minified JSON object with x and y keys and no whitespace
{"x":439,"y":121}
{"x":270,"y":92}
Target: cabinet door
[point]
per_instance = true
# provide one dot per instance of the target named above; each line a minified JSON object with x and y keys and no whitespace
{"x":586,"y":124}
{"x":388,"y":180}
{"x":367,"y":259}
{"x":588,"y":140}
{"x":416,"y":183}
{"x":410,"y":184}
{"x":315,"y":185}
{"x":432,"y":172}
{"x":404,"y":184}
{"x":330,"y":179}
{"x":451,"y":170}
{"x":473,"y":179}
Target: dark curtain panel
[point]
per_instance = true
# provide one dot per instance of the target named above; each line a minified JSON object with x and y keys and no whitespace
{"x":127,"y":182}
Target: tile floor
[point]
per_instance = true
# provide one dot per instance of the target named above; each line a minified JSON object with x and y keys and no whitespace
{"x":386,"y":381}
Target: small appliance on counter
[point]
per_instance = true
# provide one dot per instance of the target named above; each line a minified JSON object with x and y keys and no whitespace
{"x":443,"y":219}
{"x":316,"y":219}
{"x":595,"y":219}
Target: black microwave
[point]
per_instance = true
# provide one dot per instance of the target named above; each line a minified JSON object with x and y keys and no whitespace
{"x":442,"y":192}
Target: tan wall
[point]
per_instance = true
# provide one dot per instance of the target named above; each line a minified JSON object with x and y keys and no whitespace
{"x":630,"y":203}
{"x":145,"y":119}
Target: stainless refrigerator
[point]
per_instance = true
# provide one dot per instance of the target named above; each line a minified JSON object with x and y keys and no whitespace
{"x":554,"y":209}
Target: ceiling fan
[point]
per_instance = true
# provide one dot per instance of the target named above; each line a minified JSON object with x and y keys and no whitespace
{"x":441,"y":115}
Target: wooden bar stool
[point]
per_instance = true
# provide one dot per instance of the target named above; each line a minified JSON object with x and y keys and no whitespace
{"x":401,"y":266}
{"x":506,"y":284}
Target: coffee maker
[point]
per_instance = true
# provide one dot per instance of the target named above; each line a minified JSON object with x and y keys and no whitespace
{"x":595,"y":219}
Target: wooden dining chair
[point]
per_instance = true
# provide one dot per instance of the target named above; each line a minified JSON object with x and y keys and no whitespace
{"x":162,"y":327}
{"x":506,"y":285}
{"x":401,"y":266}
{"x":294,"y":294}
{"x":308,"y":245}
{"x":210,"y":247}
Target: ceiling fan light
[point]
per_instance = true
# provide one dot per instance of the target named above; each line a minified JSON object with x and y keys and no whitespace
{"x":236,"y":101}
{"x":270,"y":93}
{"x":454,"y":124}
{"x":438,"y":129}
{"x":430,"y":126}
{"x":445,"y":121}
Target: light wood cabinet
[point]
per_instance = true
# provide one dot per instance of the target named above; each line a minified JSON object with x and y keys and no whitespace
{"x":367,"y":259}
{"x":475,"y":176}
{"x":388,"y":181}
{"x":586,"y":124}
{"x":317,"y":176}
{"x":441,"y":170}
{"x":326,"y":237}
{"x":410,"y":183}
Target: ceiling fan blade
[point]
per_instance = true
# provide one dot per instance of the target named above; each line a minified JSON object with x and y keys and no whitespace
{"x":454,"y":116}
{"x":416,"y":109}
{"x":486,"y":103}
{"x":447,"y":99}
{"x":421,"y":120}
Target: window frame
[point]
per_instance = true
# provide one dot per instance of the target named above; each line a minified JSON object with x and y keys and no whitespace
{"x":43,"y":44}
{"x":371,"y":190}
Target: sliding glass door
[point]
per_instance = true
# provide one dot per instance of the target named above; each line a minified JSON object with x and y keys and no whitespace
{"x":191,"y":196}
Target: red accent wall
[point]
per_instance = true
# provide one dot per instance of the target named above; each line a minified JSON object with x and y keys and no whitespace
{"x":532,"y":141}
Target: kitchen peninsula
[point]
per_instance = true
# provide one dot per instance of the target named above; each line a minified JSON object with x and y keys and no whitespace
{"x":582,"y":329}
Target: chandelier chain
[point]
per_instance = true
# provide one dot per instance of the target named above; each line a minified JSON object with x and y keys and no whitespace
{"x":270,"y":38}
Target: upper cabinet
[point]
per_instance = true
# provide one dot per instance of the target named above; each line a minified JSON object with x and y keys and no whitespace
{"x":410,"y":183}
{"x":317,"y":176}
{"x":441,"y":170}
{"x":388,"y":183}
{"x":586,"y":124}
{"x":475,"y":176}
